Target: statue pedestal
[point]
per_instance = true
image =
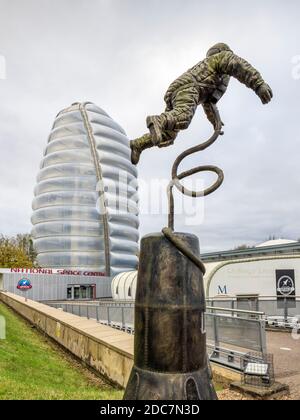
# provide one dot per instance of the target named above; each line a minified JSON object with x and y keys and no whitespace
{"x":170,"y":341}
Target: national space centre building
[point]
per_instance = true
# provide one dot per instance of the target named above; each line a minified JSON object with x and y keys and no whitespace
{"x":85,"y":210}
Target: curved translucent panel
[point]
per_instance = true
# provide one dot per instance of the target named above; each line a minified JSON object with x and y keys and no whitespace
{"x":128,"y":232}
{"x":121,"y":204}
{"x":78,"y":142}
{"x":67,"y":119}
{"x":66,"y":170}
{"x":94,"y":108}
{"x":124,"y":220}
{"x":105,"y":133}
{"x":88,"y":229}
{"x":87,"y":183}
{"x":67,"y":213}
{"x":76,"y":260}
{"x":86,"y":169}
{"x":107,"y":159}
{"x":65,"y":198}
{"x":124,"y":190}
{"x":75,"y":129}
{"x":97,"y":115}
{"x":115,"y":175}
{"x":120,"y":246}
{"x":67,"y":156}
{"x":73,"y":243}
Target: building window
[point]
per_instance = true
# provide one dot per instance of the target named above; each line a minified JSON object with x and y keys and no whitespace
{"x":129,"y":292}
{"x":247,"y":303}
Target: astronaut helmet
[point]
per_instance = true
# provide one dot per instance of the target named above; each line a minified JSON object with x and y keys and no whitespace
{"x":216,"y":49}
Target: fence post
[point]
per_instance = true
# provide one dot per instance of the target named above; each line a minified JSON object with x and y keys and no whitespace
{"x":108,"y":316}
{"x":87,"y":312}
{"x":232,"y":307}
{"x":97,"y":313}
{"x":79,"y":310}
{"x":286,"y":310}
{"x":216,"y":334}
{"x":263,"y":337}
{"x":123,"y":318}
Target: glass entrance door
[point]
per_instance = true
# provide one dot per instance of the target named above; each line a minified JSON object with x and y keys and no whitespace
{"x":81,"y":292}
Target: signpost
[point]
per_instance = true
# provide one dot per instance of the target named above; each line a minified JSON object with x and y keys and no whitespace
{"x":24,"y":285}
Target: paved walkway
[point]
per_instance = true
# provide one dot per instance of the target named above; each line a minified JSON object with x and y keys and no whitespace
{"x":286,"y":352}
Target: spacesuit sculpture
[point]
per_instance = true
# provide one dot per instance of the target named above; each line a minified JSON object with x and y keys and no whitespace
{"x":204,"y":84}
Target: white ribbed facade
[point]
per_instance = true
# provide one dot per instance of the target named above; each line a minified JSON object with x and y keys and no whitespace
{"x":123,"y":286}
{"x":85,"y":172}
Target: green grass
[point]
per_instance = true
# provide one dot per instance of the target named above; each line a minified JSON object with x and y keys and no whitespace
{"x":34,"y":368}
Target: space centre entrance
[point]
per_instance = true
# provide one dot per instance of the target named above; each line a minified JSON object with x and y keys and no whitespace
{"x":81,"y":292}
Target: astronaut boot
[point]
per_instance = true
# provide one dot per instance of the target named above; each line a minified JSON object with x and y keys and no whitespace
{"x":138,"y":146}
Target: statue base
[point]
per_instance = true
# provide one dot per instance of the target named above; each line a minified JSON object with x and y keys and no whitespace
{"x":170,"y":341}
{"x":145,"y":385}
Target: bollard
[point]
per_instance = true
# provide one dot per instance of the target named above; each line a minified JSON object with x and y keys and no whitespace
{"x":170,"y":359}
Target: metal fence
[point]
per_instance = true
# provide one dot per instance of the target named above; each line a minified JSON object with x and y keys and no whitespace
{"x":282,"y":312}
{"x":230,"y":333}
{"x":119,"y":315}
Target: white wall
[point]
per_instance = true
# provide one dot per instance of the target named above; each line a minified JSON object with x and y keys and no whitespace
{"x":255,"y":277}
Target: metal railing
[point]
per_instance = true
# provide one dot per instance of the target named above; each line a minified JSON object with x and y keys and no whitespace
{"x":231,"y":333}
{"x":119,"y":315}
{"x":279,"y":312}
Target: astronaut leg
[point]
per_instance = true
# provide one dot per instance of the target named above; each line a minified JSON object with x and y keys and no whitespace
{"x":169,"y":123}
{"x":185,"y":106}
{"x":164,"y":128}
{"x":168,"y":138}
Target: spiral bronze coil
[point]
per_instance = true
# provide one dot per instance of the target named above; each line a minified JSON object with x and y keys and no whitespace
{"x":176,"y":182}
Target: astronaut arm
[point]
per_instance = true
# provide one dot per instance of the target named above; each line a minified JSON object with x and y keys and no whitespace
{"x":212,"y":114}
{"x":235,"y":66}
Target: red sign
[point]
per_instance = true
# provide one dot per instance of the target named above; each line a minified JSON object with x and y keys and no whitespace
{"x":61,"y":272}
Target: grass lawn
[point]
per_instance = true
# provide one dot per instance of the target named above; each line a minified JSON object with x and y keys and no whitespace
{"x":34,"y":368}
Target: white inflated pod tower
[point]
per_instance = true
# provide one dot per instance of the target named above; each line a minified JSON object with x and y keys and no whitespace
{"x":86,"y":203}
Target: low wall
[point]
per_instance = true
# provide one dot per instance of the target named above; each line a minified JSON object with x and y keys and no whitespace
{"x":108,"y":351}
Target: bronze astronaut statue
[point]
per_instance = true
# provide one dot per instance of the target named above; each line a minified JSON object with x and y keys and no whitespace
{"x":204,"y":84}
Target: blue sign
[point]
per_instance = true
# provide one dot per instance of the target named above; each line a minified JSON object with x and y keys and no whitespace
{"x":24,"y":284}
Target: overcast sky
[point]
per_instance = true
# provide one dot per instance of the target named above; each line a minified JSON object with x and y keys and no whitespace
{"x":122,"y":55}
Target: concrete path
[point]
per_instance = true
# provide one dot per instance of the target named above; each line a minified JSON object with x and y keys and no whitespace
{"x":286,"y":352}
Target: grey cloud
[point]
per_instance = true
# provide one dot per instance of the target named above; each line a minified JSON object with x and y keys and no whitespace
{"x":122,"y":55}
